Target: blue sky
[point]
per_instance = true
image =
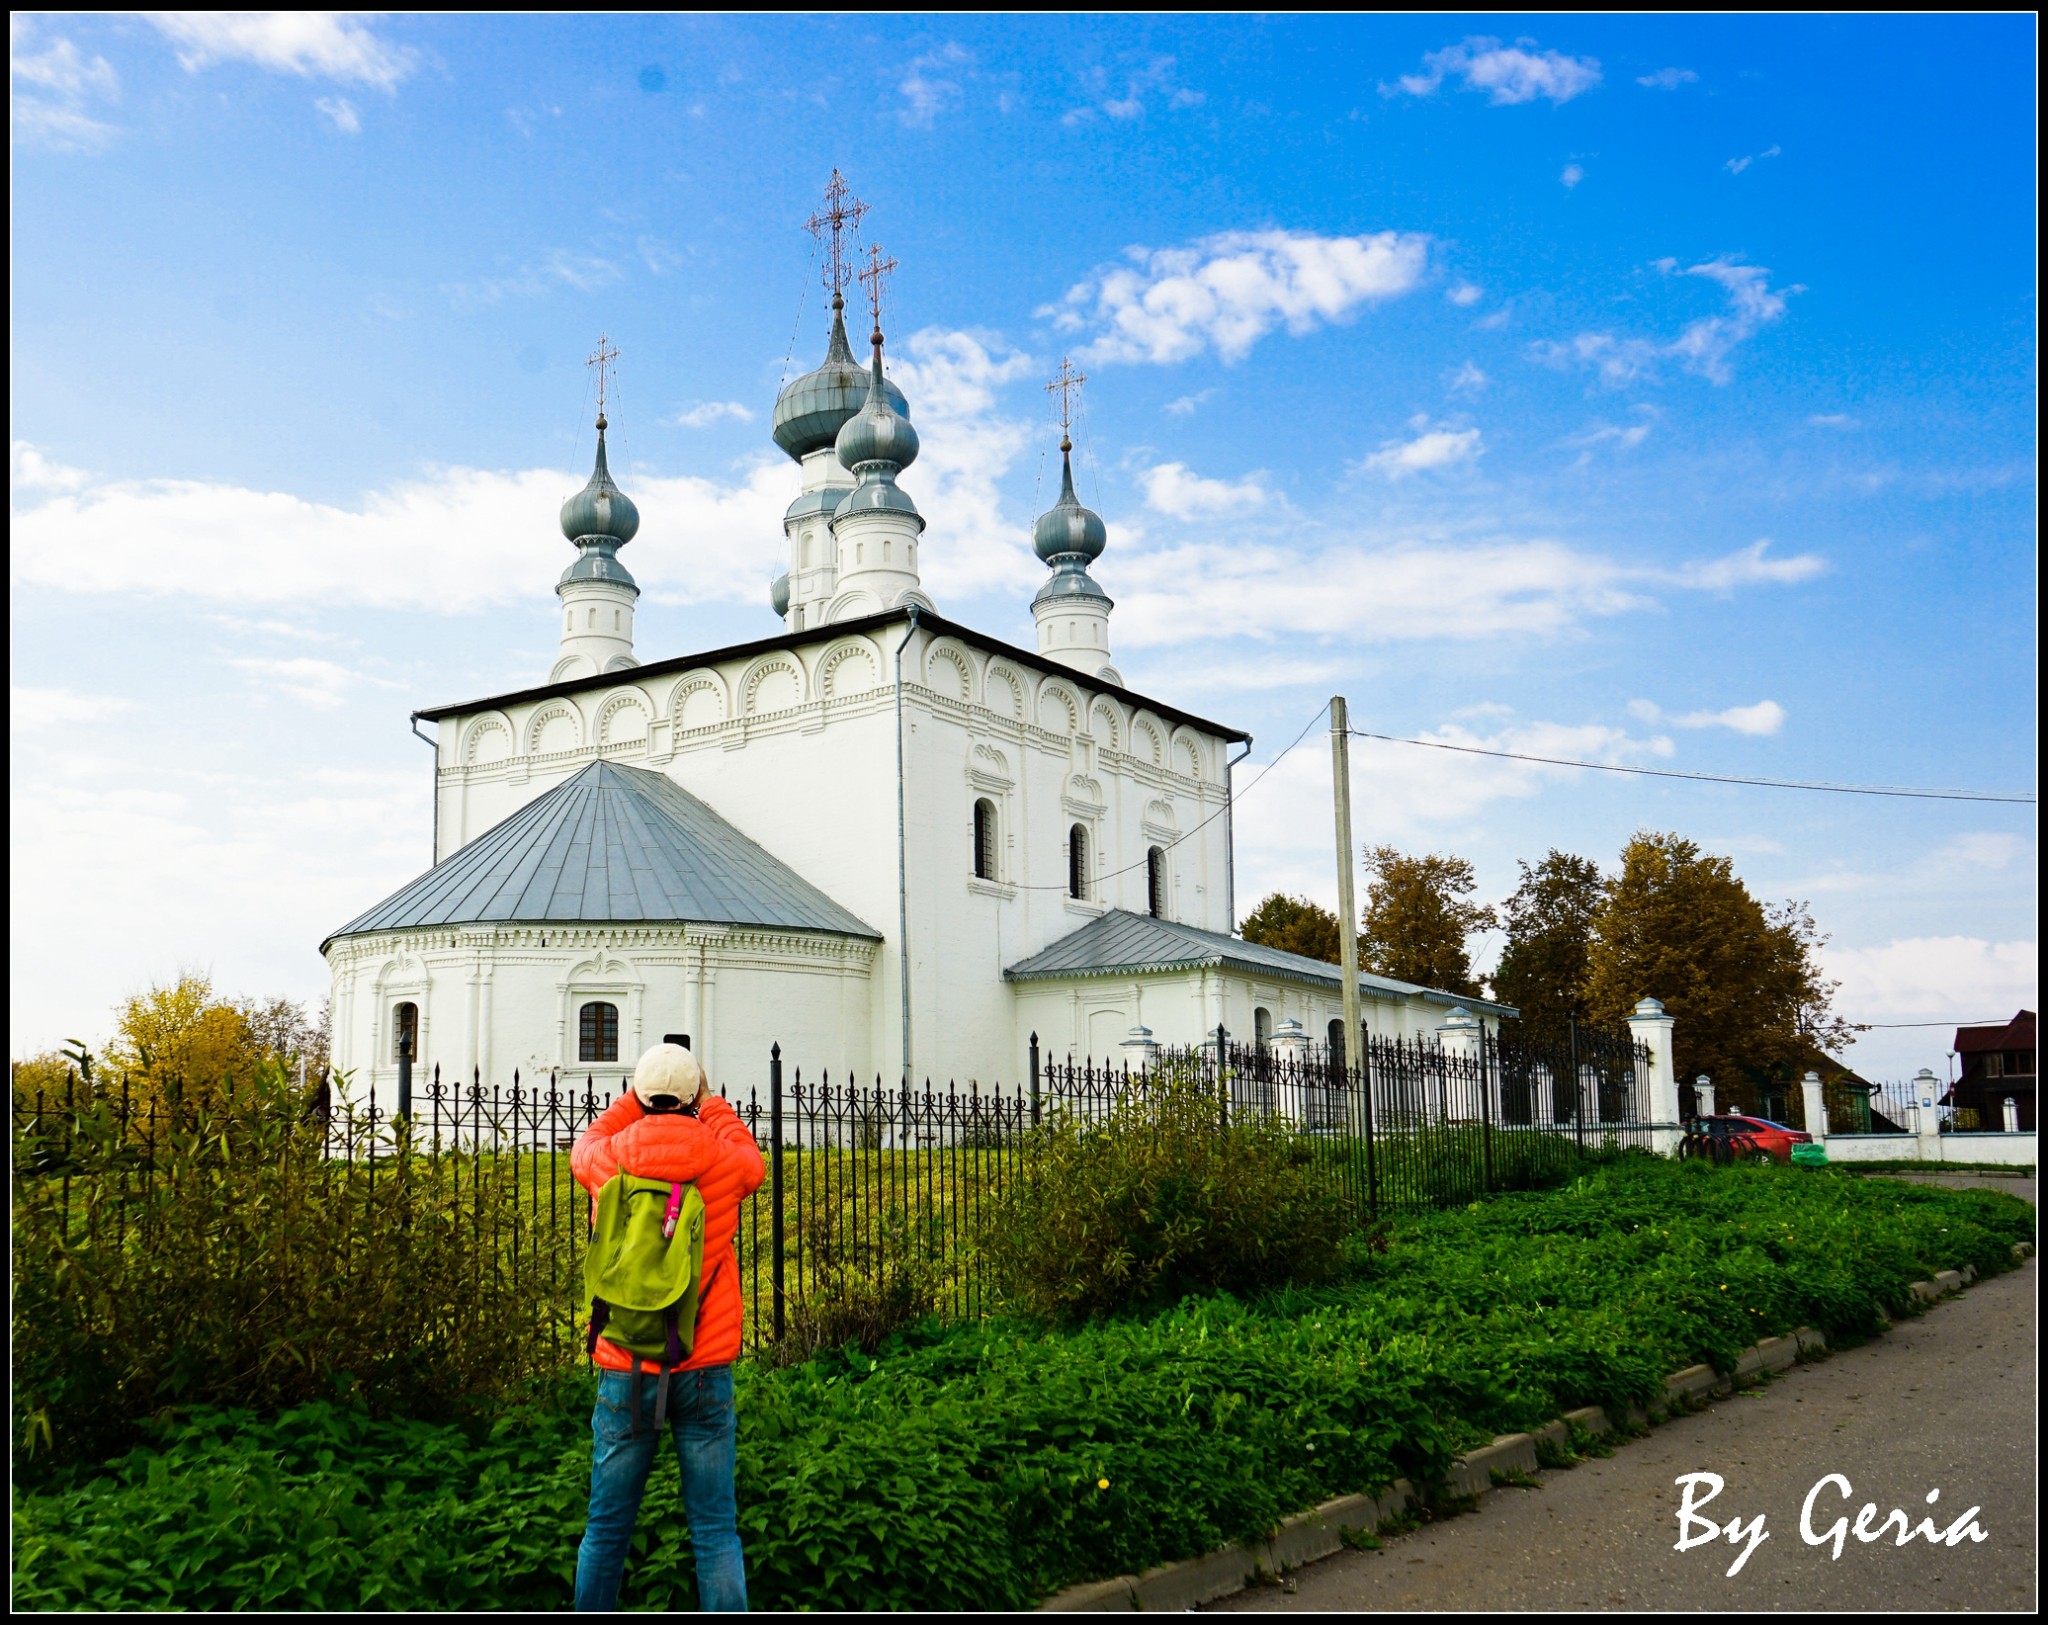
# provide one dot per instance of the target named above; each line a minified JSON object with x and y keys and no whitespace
{"x":1655,"y":390}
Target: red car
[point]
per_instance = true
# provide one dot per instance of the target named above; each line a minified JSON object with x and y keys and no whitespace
{"x":1732,"y":1138}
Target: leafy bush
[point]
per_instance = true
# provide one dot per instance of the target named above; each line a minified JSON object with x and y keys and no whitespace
{"x":988,"y":1465}
{"x":228,"y":1259}
{"x":856,"y":1289}
{"x":1158,"y":1200}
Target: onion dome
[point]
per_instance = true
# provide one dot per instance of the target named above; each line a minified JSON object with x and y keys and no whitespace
{"x":600,"y":519}
{"x":778,"y":593}
{"x":1070,"y":579}
{"x":811,"y":410}
{"x":878,"y":433}
{"x":1066,"y":528}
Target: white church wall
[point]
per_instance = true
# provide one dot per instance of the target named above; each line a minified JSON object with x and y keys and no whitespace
{"x":797,"y":748}
{"x":492,"y":999}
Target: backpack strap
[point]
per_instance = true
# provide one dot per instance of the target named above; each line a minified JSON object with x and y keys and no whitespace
{"x":600,"y":1312}
{"x":671,"y":1358}
{"x":633,"y":1388}
{"x":674,"y":1210}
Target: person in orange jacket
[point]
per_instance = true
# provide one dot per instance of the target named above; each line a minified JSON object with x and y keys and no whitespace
{"x":670,"y":1126}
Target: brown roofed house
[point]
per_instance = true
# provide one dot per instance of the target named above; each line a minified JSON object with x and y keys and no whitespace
{"x":1997,"y":1065}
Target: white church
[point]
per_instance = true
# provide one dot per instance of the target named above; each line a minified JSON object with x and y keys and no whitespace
{"x":891,"y":843}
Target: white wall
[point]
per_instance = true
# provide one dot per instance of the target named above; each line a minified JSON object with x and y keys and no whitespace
{"x":797,"y":748}
{"x":2011,"y":1150}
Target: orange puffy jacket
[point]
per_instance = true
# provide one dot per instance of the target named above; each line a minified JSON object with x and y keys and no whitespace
{"x":713,"y":1151}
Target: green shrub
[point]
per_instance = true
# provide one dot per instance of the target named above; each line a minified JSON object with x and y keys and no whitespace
{"x":1161,"y":1198}
{"x":855,"y":1287}
{"x":233,"y":1261}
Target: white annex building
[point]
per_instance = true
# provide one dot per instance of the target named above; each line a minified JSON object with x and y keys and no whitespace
{"x":884,"y":840}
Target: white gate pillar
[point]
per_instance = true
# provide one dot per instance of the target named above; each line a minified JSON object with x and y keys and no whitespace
{"x":1816,"y":1108}
{"x":1459,"y":1038}
{"x":1703,"y":1094}
{"x":1652,"y":1028}
{"x":1927,"y":1116}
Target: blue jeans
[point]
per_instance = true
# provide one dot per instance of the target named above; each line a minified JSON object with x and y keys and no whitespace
{"x":701,"y":1418}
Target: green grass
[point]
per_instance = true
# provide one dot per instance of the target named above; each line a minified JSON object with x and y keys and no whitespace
{"x":989,"y":1464}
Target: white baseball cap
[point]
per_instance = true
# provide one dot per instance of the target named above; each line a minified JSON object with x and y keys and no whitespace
{"x":667,"y":1069}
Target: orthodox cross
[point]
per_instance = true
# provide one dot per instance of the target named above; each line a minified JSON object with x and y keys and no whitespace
{"x":601,"y":358}
{"x":1067,"y":385}
{"x":875,"y":276}
{"x":832,"y":226}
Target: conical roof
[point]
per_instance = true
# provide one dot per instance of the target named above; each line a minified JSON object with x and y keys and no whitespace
{"x":612,"y":844}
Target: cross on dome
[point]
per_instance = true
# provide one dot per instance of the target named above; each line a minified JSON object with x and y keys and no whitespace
{"x":876,"y":276}
{"x":601,"y":358}
{"x":832,"y":226}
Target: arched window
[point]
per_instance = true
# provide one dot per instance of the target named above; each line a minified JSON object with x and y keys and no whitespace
{"x":597,"y":1033}
{"x":1077,"y":862}
{"x":405,"y":1030}
{"x":618,"y":619}
{"x":984,"y":839}
{"x":1337,"y":1042}
{"x":591,"y":618}
{"x":1155,"y":882}
{"x":1262,"y":1028}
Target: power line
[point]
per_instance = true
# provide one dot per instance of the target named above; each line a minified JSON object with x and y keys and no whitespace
{"x":1714,"y":778}
{"x":1872,"y":1026}
{"x":1229,"y":800}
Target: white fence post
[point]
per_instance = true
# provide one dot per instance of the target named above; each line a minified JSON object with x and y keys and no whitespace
{"x":1459,"y":1036}
{"x":1816,"y":1108}
{"x":1703,"y":1094}
{"x":1141,"y":1052}
{"x":1652,"y":1028}
{"x":1926,"y":1115}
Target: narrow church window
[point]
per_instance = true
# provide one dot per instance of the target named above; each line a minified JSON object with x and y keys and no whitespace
{"x":1077,"y":862}
{"x":885,"y":550}
{"x":799,"y":617}
{"x":405,"y":1030}
{"x":1337,"y":1044}
{"x":618,"y":619}
{"x":569,"y":621}
{"x":984,"y":839}
{"x":1262,"y":1028}
{"x":597,"y":1033}
{"x":1155,"y":882}
{"x":591,"y":620}
{"x":860,"y":552}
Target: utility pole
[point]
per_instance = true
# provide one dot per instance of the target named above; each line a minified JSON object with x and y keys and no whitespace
{"x":1347,"y":911}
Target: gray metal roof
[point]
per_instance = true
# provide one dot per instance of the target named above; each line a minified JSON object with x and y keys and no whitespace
{"x":611,"y":844}
{"x":1120,"y":943}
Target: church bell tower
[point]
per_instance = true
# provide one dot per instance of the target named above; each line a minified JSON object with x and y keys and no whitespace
{"x":597,"y":591}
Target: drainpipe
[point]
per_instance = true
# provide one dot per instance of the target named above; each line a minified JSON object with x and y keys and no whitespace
{"x":902,"y":852}
{"x":434,"y":745}
{"x":1229,"y":838}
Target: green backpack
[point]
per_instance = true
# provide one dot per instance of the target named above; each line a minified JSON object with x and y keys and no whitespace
{"x":643,"y":1275}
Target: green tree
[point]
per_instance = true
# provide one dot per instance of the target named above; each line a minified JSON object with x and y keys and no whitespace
{"x":1295,"y":925}
{"x":1741,"y":980}
{"x":1417,"y":919}
{"x":1549,"y":923}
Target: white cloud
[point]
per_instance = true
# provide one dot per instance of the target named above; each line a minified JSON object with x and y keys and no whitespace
{"x":706,"y":413}
{"x":1833,"y":420}
{"x":1174,"y":490}
{"x":1185,"y":404}
{"x":1468,"y":378}
{"x":312,"y":44}
{"x":44,"y":707}
{"x":1762,"y":719}
{"x":1130,"y":100}
{"x":341,"y":112}
{"x":1228,"y":291}
{"x":1956,"y":978}
{"x":930,"y":85}
{"x":1572,"y":175}
{"x":1510,"y":74}
{"x":1619,"y":436}
{"x":1463,"y":294}
{"x":1748,"y":567}
{"x":563,"y":267}
{"x":32,"y":471}
{"x":322,"y":683}
{"x":1668,"y":79}
{"x":52,"y":89}
{"x":1702,"y":346}
{"x":1735,"y":166}
{"x":1432,"y":449}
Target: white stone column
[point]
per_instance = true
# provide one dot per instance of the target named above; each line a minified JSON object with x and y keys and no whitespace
{"x":1652,"y":1028}
{"x":1703,"y":1094}
{"x":1927,"y":1116}
{"x":1816,"y":1108}
{"x":1290,"y":1057}
{"x":1140,"y":1050}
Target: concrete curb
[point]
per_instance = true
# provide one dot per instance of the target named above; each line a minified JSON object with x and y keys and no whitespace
{"x":1319,"y":1533}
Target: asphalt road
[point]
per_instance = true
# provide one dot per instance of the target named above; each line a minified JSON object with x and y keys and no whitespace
{"x":1945,"y":1401}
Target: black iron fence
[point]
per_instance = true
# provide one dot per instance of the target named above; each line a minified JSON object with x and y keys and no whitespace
{"x":865,"y":1181}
